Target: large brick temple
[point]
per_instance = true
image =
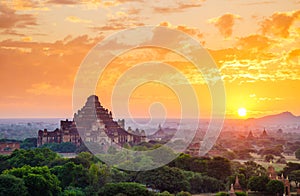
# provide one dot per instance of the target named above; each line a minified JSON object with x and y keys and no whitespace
{"x":92,"y":123}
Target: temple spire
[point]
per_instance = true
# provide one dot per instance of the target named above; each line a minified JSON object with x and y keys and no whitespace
{"x":237,"y":185}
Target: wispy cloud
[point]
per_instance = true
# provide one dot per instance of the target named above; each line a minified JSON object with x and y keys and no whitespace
{"x":64,"y":2}
{"x":263,"y":99}
{"x":44,"y":88}
{"x":75,"y":19}
{"x":10,"y":19}
{"x":257,"y":3}
{"x":195,"y":32}
{"x":169,"y":6}
{"x":119,"y":21}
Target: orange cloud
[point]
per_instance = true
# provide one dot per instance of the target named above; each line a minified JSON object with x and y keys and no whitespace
{"x":45,"y":72}
{"x":25,"y":5}
{"x":119,"y":21}
{"x":66,"y":2}
{"x":10,"y":19}
{"x":258,"y":3}
{"x":92,"y":3}
{"x":75,"y":19}
{"x":176,"y":6}
{"x":279,"y":23}
{"x":195,"y":32}
{"x":48,"y":89}
{"x":225,"y":23}
{"x":294,"y":56}
{"x":27,"y":39}
{"x":257,"y":42}
{"x":133,"y":11}
{"x":11,"y":32}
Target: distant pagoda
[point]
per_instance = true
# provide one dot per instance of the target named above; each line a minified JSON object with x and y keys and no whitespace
{"x":237,"y":187}
{"x":264,"y":134}
{"x":250,"y":136}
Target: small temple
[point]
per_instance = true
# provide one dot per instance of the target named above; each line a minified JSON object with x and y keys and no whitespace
{"x":273,"y":176}
{"x":250,"y":136}
{"x":264,"y":134}
{"x":237,"y":187}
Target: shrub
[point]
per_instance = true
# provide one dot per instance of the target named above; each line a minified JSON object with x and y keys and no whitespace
{"x":222,"y":194}
{"x":127,"y":188}
{"x":165,"y":193}
{"x":240,"y":194}
{"x":183,"y":193}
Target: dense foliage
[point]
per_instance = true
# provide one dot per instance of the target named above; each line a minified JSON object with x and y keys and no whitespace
{"x":275,"y":187}
{"x":40,"y":171}
{"x":11,"y":185}
{"x":65,"y":147}
{"x":126,"y":188}
{"x":38,"y":180}
{"x":258,"y":183}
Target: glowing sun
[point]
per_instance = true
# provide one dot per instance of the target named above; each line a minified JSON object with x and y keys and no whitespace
{"x":242,"y":112}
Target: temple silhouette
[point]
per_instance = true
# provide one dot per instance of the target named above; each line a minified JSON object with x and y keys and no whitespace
{"x":92,"y":123}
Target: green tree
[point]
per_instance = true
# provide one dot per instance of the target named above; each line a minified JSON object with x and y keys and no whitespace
{"x":183,"y":193}
{"x":98,"y":175}
{"x":142,"y":162}
{"x":118,"y":175}
{"x":198,"y":164}
{"x":182,"y":161}
{"x":4,"y":164}
{"x":112,"y":150}
{"x":86,"y":159}
{"x":165,"y":179}
{"x":126,"y":188}
{"x":269,"y":157}
{"x":258,"y":183}
{"x":71,"y":174}
{"x":186,"y":162}
{"x":295,"y":176}
{"x":219,"y":168}
{"x":297,"y":153}
{"x":243,"y":153}
{"x":277,"y":150}
{"x":161,"y":154}
{"x":38,"y":180}
{"x":65,"y":147}
{"x":32,"y":157}
{"x":290,"y":166}
{"x":229,"y":155}
{"x":204,"y":184}
{"x":250,"y":168}
{"x":11,"y":185}
{"x":73,"y":191}
{"x":275,"y":187}
{"x":29,"y":143}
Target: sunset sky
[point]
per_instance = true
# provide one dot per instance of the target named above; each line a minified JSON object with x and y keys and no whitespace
{"x":255,"y":44}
